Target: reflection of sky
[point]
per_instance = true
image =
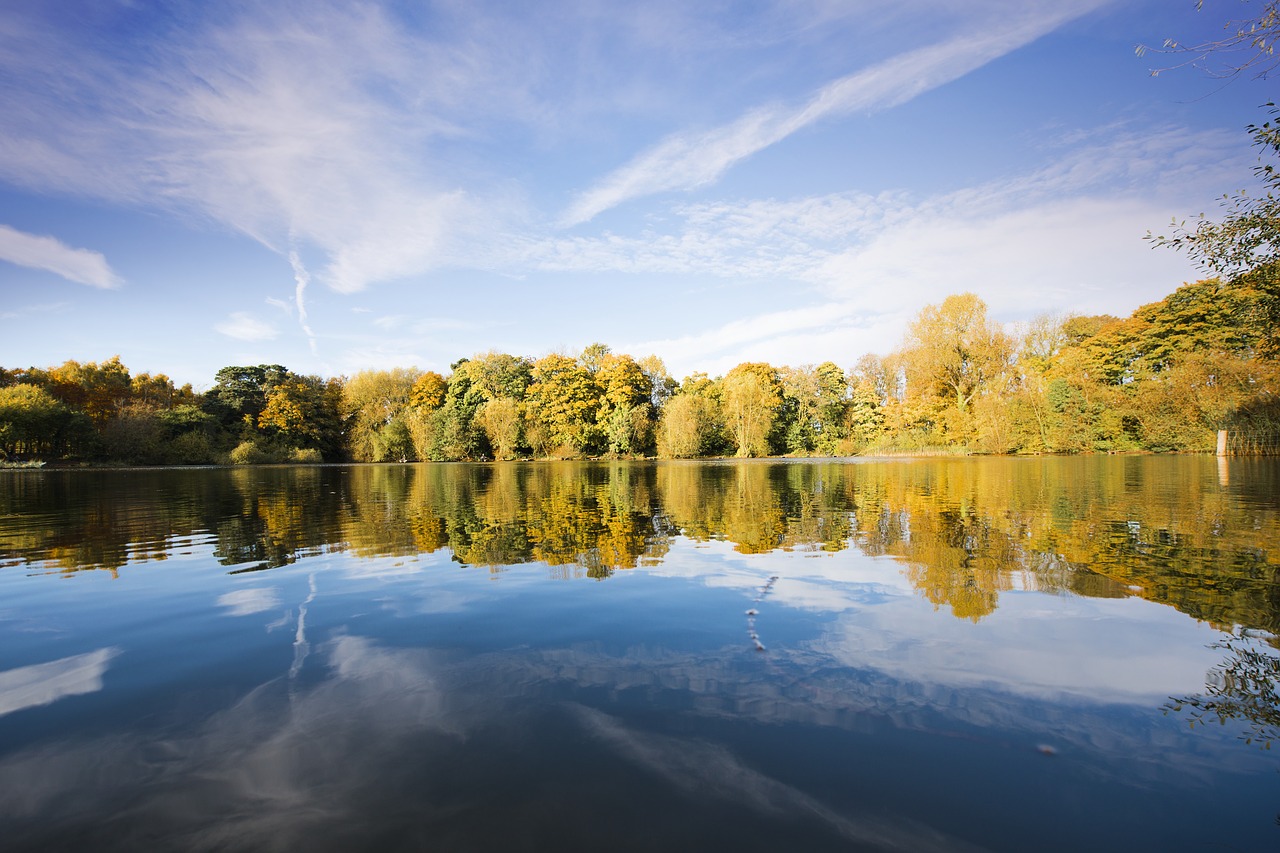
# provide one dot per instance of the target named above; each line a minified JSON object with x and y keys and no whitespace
{"x":1034,"y":644}
{"x":245,"y":602}
{"x":393,"y":714}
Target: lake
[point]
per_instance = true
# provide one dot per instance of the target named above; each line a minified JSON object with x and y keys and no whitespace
{"x":942,"y":654}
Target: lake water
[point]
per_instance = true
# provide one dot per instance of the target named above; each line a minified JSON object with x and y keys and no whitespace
{"x":957,"y":654}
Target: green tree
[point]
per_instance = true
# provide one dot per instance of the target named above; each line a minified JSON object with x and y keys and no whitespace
{"x":239,"y":394}
{"x":456,"y":432}
{"x":1243,"y":246}
{"x":499,"y":374}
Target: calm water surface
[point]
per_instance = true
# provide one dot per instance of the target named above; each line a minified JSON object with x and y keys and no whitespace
{"x":1000,"y":654}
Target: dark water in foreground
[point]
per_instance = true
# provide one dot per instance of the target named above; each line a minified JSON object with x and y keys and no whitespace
{"x":1004,"y":654}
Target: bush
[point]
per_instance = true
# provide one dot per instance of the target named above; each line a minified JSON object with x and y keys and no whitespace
{"x":190,"y":448}
{"x":249,"y":453}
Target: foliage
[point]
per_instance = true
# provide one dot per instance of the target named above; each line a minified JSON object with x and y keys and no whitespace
{"x":625,"y":415}
{"x":1248,"y":46}
{"x":501,"y":420}
{"x":373,"y":405}
{"x":239,"y":393}
{"x":563,"y":403}
{"x":690,"y":426}
{"x":429,"y":391}
{"x":1244,"y":245}
{"x":1165,"y":378}
{"x":34,"y":423}
{"x":752,"y":401}
{"x":953,"y":352}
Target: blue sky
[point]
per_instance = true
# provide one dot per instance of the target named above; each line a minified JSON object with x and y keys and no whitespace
{"x":342,"y":186}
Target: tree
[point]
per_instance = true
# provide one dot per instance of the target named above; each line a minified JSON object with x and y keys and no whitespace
{"x":752,"y":398}
{"x":562,"y":403}
{"x":1244,"y":245}
{"x":592,"y":357}
{"x":100,"y":390}
{"x":689,"y":426}
{"x":498,"y":374}
{"x":500,"y":419}
{"x":374,"y":404}
{"x":864,"y":414}
{"x":660,"y":381}
{"x":239,"y":393}
{"x":302,"y":412}
{"x":33,"y":422}
{"x":429,"y":391}
{"x":815,"y":400}
{"x":953,"y":352}
{"x":625,"y":413}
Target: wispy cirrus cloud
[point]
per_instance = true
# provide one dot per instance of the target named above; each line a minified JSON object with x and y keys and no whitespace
{"x":245,"y":327}
{"x":321,"y":127}
{"x":42,"y":252}
{"x":869,"y":264}
{"x":689,"y":160}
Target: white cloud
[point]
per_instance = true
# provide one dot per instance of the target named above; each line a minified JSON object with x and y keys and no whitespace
{"x":870,"y":263}
{"x":52,"y":255}
{"x":245,"y":327}
{"x":317,"y":127}
{"x":685,"y":161}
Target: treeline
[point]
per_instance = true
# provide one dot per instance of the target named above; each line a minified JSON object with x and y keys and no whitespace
{"x":1164,"y":379}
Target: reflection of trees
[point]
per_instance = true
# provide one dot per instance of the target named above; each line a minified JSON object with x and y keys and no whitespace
{"x":1245,"y":687}
{"x":1159,"y":527}
{"x":759,"y":507}
{"x":279,"y":515}
{"x":965,"y":530}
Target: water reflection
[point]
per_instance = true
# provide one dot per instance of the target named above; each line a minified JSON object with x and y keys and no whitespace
{"x":45,"y":683}
{"x":1244,"y":687}
{"x":965,"y":531}
{"x":373,"y":657}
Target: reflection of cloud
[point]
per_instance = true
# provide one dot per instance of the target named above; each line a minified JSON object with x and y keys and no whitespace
{"x":46,"y":683}
{"x":1029,"y":650}
{"x":1024,"y":648}
{"x":706,"y":770}
{"x":280,"y":764}
{"x":243,"y":602}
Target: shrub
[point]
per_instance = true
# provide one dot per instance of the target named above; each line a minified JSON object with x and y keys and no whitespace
{"x":248,"y":453}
